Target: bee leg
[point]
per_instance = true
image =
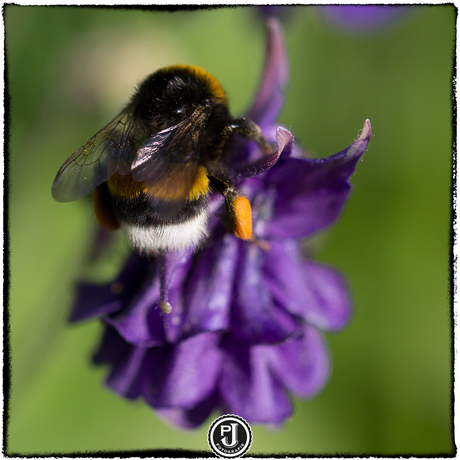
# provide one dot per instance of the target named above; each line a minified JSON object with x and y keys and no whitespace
{"x":223,"y":139}
{"x":238,"y":215}
{"x":247,"y":128}
{"x":165,"y":306}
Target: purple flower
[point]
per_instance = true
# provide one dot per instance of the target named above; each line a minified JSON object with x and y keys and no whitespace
{"x":246,"y":328}
{"x":363,"y":18}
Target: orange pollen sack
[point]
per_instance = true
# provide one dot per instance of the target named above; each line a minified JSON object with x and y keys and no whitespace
{"x":242,"y":218}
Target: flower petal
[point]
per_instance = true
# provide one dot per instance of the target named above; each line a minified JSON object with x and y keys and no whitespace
{"x":141,"y":323}
{"x":207,"y":293}
{"x":190,"y":418}
{"x":313,"y":291}
{"x":311,"y":193}
{"x":126,"y":362}
{"x":183,"y":375}
{"x":302,"y":364}
{"x":255,"y":317}
{"x":270,"y":98}
{"x":100,"y":300}
{"x":127,"y":376}
{"x":248,"y":387}
{"x":265,"y":162}
{"x":112,"y":347}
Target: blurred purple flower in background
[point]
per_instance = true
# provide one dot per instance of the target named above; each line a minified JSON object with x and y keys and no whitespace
{"x":363,"y":18}
{"x":246,"y":328}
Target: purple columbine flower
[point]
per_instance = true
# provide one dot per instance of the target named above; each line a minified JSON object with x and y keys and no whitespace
{"x":246,"y":328}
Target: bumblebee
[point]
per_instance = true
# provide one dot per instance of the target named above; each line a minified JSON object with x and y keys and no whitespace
{"x":153,"y":167}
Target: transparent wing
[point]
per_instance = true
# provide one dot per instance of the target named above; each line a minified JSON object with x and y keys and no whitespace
{"x":110,"y":150}
{"x":168,"y":164}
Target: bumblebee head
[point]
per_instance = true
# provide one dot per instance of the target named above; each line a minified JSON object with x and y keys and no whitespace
{"x":173,"y":94}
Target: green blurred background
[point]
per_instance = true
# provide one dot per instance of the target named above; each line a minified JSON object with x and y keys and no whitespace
{"x":71,"y":69}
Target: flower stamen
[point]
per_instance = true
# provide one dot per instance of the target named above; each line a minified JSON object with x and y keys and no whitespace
{"x":165,"y":306}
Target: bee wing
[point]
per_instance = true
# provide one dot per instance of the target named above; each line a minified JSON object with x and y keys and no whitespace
{"x":110,"y":150}
{"x":168,"y":164}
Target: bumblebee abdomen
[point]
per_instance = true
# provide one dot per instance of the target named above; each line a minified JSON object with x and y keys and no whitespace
{"x":125,"y":186}
{"x":170,"y":237}
{"x":148,"y":230}
{"x":124,"y":203}
{"x":200,"y":185}
{"x":140,"y":211}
